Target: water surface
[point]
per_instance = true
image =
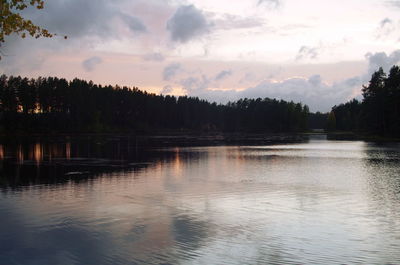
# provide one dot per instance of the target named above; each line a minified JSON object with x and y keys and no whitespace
{"x":110,"y":202}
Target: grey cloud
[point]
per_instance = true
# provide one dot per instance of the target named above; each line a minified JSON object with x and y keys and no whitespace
{"x":223,"y":74}
{"x":82,"y":21}
{"x":315,"y":80}
{"x":381,"y":59}
{"x":76,"y":18}
{"x":306,"y":52}
{"x":82,"y":18}
{"x":234,"y":22}
{"x":385,"y":28}
{"x":395,"y":3}
{"x":385,"y":21}
{"x":187,"y":23}
{"x":170,"y":71}
{"x":271,"y":3}
{"x":18,"y":56}
{"x":313,"y":92}
{"x":156,"y":56}
{"x":166,"y":89}
{"x":248,"y":77}
{"x":318,"y":95}
{"x":91,"y":63}
{"x":353,"y":82}
{"x":194,"y":84}
{"x":229,"y":21}
{"x":134,"y":24}
{"x":198,"y":82}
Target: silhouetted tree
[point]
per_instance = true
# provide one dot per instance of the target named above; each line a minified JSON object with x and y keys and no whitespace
{"x":331,"y":126}
{"x":53,"y":104}
{"x":378,"y":113}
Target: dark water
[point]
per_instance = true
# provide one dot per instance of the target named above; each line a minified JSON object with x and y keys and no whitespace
{"x":111,"y":202}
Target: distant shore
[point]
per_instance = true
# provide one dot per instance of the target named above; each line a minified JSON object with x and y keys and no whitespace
{"x":169,"y":138}
{"x":360,"y":136}
{"x":173,"y":138}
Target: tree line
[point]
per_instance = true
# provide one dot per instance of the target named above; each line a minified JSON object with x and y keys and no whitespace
{"x":51,"y":104}
{"x":379,"y":111}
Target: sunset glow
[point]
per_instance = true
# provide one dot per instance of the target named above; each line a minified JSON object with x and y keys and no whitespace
{"x":217,"y":50}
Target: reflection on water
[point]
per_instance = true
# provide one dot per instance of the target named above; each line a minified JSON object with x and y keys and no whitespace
{"x":109,"y":202}
{"x":61,"y":160}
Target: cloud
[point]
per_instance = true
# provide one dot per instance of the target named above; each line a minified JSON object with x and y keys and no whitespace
{"x":187,"y":23}
{"x":313,"y":91}
{"x":229,"y":22}
{"x":85,"y":23}
{"x":381,"y":59}
{"x":90,"y":64}
{"x":167,"y":89}
{"x":270,"y":3}
{"x":82,"y":19}
{"x":315,"y":80}
{"x":223,"y":74}
{"x":156,"y":56}
{"x":171,"y":70}
{"x":134,"y":24}
{"x":306,"y":52}
{"x":192,"y":81}
{"x":385,"y":21}
{"x":248,"y":77}
{"x":385,"y":28}
{"x":76,"y":18}
{"x":18,"y":55}
{"x":318,"y":95}
{"x":195,"y":84}
{"x":395,"y":3}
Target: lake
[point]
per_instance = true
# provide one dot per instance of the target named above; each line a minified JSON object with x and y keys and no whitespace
{"x":116,"y":201}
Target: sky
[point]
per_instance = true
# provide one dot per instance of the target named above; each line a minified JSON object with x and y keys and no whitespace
{"x":316,"y":52}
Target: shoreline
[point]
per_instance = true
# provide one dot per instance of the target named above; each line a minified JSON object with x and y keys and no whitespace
{"x":202,"y":138}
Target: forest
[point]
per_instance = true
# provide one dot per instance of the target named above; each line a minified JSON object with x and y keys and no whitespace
{"x":379,"y":111}
{"x":55,"y":105}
